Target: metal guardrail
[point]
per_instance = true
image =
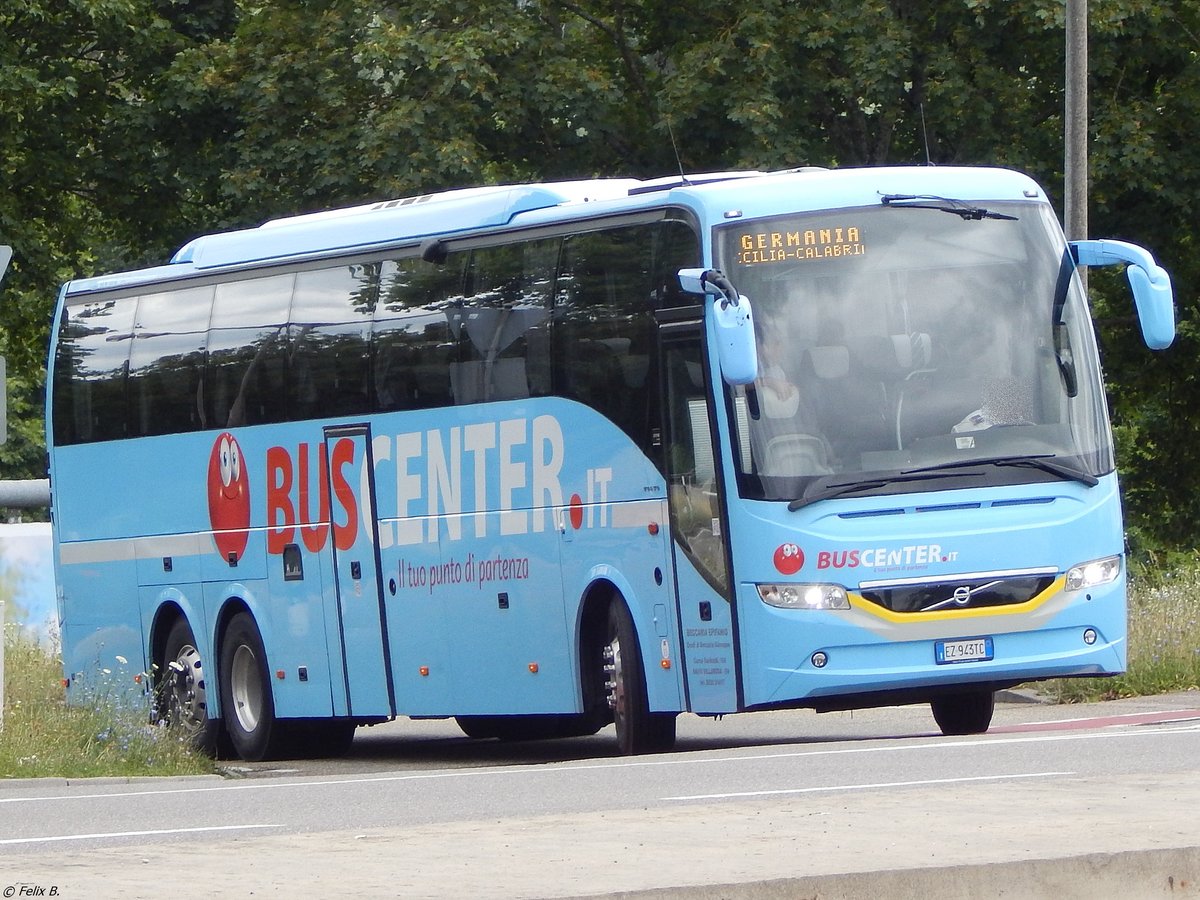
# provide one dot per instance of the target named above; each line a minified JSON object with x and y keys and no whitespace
{"x":29,"y":494}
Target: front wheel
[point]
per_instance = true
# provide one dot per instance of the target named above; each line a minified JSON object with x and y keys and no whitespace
{"x":247,"y":704}
{"x":638,"y":729}
{"x":967,"y":713}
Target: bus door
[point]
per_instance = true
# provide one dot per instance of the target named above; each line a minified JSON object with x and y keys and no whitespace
{"x":698,"y":524}
{"x":361,"y":617}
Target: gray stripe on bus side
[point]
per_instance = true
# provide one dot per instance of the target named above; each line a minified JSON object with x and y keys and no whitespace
{"x":129,"y":549}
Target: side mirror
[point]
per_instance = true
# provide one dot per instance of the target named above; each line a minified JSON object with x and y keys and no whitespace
{"x":1149,"y":281}
{"x":732,"y":323}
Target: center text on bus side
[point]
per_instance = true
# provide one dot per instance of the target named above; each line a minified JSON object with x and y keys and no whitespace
{"x":447,"y":481}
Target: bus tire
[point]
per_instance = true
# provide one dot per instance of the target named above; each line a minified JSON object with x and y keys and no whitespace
{"x":966,"y":713}
{"x":180,"y":691}
{"x":246,"y":700}
{"x":638,"y":729}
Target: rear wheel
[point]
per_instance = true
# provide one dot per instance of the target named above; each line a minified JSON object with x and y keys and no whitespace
{"x":638,"y":729}
{"x":966,"y":713}
{"x":181,"y":690}
{"x":247,"y":704}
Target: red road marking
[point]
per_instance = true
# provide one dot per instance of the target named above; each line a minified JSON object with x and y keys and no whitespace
{"x":1148,"y":718}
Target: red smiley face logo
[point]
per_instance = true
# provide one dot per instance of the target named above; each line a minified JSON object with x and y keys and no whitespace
{"x":228,"y":497}
{"x":788,"y":559}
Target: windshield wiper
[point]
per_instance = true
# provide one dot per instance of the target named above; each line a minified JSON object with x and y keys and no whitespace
{"x":841,"y":488}
{"x":945,"y":204}
{"x":1043,"y":461}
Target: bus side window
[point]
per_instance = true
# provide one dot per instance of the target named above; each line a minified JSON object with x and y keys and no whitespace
{"x":411,"y":340}
{"x":166,"y":361}
{"x":676,"y":247}
{"x":330,"y":324}
{"x":603,"y":324}
{"x":244,"y":374}
{"x":90,"y":367}
{"x":508,"y":302}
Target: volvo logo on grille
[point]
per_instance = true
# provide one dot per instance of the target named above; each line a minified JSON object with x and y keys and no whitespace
{"x":962,"y":596}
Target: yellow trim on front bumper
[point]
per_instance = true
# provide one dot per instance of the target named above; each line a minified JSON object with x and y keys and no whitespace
{"x":858,"y":602}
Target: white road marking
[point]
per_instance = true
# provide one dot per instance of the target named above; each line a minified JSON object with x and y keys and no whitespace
{"x":127,"y":834}
{"x":980,"y":741}
{"x":868,"y":787}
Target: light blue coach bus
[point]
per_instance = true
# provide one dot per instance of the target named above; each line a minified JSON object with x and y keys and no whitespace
{"x":547,"y":457}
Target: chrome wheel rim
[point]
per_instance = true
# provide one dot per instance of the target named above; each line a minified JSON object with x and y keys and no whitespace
{"x":614,"y":680}
{"x":187,"y":700}
{"x":245,"y":688}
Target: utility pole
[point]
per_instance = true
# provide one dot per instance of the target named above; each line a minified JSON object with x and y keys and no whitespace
{"x":1076,"y":122}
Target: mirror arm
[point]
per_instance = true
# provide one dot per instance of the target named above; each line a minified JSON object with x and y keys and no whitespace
{"x":724,"y":287}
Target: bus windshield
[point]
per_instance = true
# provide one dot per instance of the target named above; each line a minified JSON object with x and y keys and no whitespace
{"x":913,"y":346}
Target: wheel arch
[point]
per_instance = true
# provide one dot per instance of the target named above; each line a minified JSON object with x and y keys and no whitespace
{"x":590,"y":635}
{"x":175,"y":606}
{"x":168,"y":613}
{"x":606,"y":586}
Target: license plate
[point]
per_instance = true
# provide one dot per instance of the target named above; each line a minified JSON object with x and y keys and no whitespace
{"x":967,"y":650}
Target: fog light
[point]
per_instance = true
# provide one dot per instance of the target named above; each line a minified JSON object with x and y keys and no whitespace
{"x":1089,"y":636}
{"x":819,"y":659}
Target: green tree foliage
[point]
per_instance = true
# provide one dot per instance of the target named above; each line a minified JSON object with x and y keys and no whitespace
{"x":1145,"y":166}
{"x":83,"y":187}
{"x":129,"y":126}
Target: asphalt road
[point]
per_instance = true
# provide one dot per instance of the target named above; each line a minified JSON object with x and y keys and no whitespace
{"x":865,"y":802}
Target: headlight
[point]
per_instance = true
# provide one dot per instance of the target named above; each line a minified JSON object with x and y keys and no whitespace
{"x":1094,"y":573}
{"x":804,"y":596}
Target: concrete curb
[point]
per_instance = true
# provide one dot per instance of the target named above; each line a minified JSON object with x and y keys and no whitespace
{"x":1024,"y":695}
{"x":1171,"y":872}
{"x":51,"y":781}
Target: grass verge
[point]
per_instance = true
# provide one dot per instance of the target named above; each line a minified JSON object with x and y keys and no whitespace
{"x":41,"y":736}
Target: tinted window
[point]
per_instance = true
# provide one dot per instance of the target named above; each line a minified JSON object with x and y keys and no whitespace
{"x":246,"y":368}
{"x":500,"y":328}
{"x":608,"y":288}
{"x":390,"y":335}
{"x":676,"y":247}
{"x":328,"y":358}
{"x":89,"y":371}
{"x":167,"y":360}
{"x":411,"y":331}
